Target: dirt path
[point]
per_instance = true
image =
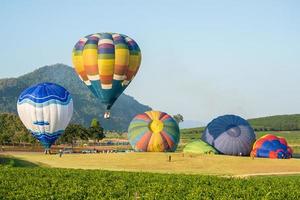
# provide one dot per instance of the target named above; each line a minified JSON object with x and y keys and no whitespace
{"x":266,"y":174}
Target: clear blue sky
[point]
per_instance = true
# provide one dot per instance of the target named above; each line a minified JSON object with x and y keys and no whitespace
{"x":200,"y":58}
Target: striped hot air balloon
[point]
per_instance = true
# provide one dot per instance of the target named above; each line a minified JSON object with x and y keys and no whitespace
{"x":271,"y":146}
{"x":230,"y":134}
{"x":45,"y":109}
{"x":106,"y":63}
{"x":153,"y":131}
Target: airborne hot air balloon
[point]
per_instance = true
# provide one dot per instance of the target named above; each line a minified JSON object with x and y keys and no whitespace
{"x":153,"y":131}
{"x":45,"y":109}
{"x":230,"y":134}
{"x":271,"y":146}
{"x":106,"y":63}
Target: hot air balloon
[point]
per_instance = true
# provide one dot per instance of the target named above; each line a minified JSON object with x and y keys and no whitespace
{"x":153,"y":131}
{"x":271,"y":146}
{"x":230,"y":134}
{"x":106,"y":63}
{"x":199,"y":147}
{"x":45,"y":109}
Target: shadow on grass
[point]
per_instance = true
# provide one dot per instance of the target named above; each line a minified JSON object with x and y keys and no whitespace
{"x":15,"y":162}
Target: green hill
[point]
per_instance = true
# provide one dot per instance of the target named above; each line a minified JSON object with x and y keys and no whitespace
{"x":271,"y":123}
{"x":276,"y":123}
{"x":86,"y":106}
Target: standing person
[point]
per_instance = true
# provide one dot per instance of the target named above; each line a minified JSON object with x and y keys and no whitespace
{"x":60,"y":153}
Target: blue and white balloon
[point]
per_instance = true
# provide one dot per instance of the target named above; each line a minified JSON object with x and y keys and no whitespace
{"x":230,"y":135}
{"x":45,"y":109}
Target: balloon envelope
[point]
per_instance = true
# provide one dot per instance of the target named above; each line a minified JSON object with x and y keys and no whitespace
{"x":199,"y":147}
{"x":271,"y":146}
{"x":230,"y":134}
{"x":153,"y":131}
{"x":45,"y":109}
{"x":106,"y":63}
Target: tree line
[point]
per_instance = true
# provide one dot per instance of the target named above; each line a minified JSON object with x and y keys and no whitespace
{"x":12,"y":131}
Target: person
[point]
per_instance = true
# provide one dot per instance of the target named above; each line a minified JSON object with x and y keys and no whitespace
{"x":60,"y":153}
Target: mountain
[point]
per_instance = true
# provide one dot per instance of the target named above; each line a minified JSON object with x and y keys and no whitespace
{"x":190,"y":124}
{"x":86,"y":106}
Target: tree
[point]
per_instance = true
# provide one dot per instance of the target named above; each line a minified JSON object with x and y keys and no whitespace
{"x":19,"y":137}
{"x":74,"y":132}
{"x":178,"y":118}
{"x":95,"y":123}
{"x":96,"y":131}
{"x":12,"y":129}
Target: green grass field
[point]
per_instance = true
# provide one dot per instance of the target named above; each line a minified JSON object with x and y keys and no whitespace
{"x":48,"y":183}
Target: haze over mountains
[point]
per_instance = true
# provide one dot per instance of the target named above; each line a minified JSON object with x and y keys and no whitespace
{"x":86,"y":106}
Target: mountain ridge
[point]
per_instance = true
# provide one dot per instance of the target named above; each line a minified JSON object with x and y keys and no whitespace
{"x":86,"y":106}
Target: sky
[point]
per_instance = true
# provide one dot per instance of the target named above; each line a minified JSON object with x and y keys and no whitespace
{"x":200,"y":58}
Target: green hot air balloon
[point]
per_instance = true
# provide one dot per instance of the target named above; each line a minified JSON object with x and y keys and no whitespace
{"x":199,"y":147}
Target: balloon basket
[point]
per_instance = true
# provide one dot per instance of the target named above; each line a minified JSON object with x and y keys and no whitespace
{"x":106,"y":115}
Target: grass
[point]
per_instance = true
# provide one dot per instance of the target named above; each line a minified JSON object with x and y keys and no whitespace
{"x":158,"y":162}
{"x":277,"y":122}
{"x":15,"y":162}
{"x":47,"y":183}
{"x":292,"y":137}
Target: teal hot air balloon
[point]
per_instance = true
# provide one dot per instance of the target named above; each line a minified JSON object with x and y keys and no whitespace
{"x":45,"y":109}
{"x":106,"y":63}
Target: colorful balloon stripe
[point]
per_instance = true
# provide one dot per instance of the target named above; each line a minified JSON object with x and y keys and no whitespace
{"x":153,"y":131}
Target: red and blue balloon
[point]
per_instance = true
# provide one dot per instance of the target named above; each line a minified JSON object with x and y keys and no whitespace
{"x":271,"y":146}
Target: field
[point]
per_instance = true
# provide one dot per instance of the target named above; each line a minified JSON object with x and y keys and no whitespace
{"x":48,"y":183}
{"x":158,"y":162}
{"x":180,"y":163}
{"x":33,"y":175}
